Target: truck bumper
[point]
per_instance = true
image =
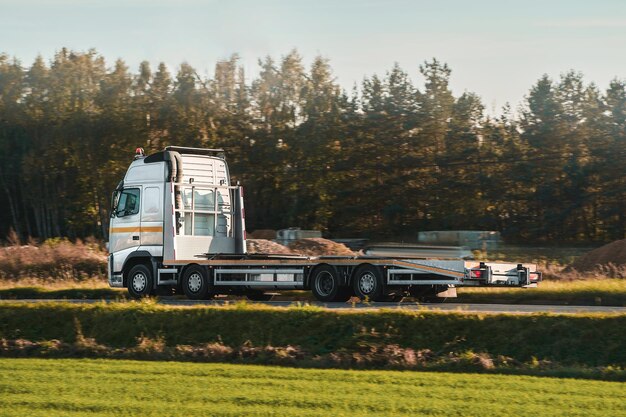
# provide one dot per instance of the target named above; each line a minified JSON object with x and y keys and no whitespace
{"x":115,"y":278}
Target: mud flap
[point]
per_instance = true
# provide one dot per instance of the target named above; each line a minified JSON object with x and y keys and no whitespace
{"x":450,"y":292}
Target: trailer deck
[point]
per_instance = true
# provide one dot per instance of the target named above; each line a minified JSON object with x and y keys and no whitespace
{"x":268,"y":270}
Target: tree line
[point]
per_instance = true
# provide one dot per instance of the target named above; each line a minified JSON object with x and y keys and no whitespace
{"x":385,"y":160}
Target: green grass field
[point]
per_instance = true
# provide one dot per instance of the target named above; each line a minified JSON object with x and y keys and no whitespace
{"x":68,"y":387}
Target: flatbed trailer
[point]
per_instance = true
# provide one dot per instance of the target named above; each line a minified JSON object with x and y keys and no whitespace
{"x":179,"y":225}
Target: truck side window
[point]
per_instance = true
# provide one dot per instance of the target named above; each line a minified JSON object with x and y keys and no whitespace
{"x":128,"y":202}
{"x":199,"y":206}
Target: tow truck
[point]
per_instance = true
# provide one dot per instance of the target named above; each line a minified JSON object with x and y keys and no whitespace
{"x":178,"y":226}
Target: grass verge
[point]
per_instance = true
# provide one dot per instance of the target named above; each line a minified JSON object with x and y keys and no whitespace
{"x":37,"y":387}
{"x":33,"y":288}
{"x":70,"y":293}
{"x":589,"y":345}
{"x":601,"y":292}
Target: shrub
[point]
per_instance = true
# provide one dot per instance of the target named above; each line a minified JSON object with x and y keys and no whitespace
{"x":54,"y":260}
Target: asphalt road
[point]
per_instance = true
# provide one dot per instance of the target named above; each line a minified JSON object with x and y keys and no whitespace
{"x":475,"y":308}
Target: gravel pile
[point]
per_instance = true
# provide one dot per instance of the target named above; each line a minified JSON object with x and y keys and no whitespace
{"x":613,"y":253}
{"x":267,"y":246}
{"x":317,"y":246}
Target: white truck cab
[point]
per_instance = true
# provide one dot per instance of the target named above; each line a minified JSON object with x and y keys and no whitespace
{"x":172,"y":206}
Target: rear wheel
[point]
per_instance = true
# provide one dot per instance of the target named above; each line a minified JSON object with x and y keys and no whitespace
{"x":368,"y":283}
{"x":325,"y":283}
{"x":196,"y":284}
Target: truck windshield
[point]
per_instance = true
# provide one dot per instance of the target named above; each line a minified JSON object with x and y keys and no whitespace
{"x":115,"y":198}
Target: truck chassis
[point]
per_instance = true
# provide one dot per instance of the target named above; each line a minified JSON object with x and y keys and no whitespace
{"x":331,"y":278}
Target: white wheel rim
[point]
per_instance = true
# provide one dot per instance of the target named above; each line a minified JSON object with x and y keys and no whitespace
{"x":139,"y":282}
{"x":195,"y":282}
{"x":367,"y":283}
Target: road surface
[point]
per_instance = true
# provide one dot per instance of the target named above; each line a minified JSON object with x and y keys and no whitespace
{"x":473,"y":308}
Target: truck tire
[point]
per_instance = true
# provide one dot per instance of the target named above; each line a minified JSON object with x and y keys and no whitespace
{"x":368,"y":283}
{"x":139,"y":281}
{"x":325,"y":283}
{"x":196,"y":284}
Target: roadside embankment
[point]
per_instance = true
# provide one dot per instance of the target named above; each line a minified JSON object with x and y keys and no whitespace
{"x":590,"y":345}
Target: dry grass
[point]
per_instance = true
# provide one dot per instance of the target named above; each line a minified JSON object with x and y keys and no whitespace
{"x":86,"y":284}
{"x":565,"y":263}
{"x":56,"y":260}
{"x":607,"y":285}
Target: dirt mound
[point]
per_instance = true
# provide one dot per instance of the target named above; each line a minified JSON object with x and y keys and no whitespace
{"x":612,"y":254}
{"x":267,"y":234}
{"x":266,"y":246}
{"x":316,"y":246}
{"x":309,"y":247}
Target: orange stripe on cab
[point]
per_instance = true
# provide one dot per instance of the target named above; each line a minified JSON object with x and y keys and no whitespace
{"x":135,"y":229}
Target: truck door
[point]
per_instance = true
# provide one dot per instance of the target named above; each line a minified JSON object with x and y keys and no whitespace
{"x":152,"y":216}
{"x":125,"y":222}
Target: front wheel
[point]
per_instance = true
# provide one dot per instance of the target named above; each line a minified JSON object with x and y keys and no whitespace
{"x":368,"y":283}
{"x":196,"y":284}
{"x":139,"y":281}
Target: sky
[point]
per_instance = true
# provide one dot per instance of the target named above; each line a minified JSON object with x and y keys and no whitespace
{"x":495,"y":48}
